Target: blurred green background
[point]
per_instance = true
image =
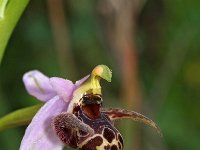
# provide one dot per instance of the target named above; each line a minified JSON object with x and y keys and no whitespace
{"x":152,"y":48}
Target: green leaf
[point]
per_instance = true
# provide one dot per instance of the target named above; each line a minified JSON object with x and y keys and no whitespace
{"x":3,"y":4}
{"x":10,"y":12}
{"x":19,"y":117}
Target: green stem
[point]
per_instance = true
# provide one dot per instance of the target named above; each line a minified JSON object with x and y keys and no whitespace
{"x":19,"y":117}
{"x":10,"y":12}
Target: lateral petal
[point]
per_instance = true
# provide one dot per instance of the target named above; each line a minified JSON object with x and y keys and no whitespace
{"x":81,"y":81}
{"x":63,"y":87}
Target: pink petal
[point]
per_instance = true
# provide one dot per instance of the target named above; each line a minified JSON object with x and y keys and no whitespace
{"x":64,"y":88}
{"x":81,"y":81}
{"x":39,"y":134}
{"x":37,"y":85}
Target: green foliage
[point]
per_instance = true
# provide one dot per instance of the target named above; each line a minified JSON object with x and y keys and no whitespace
{"x":19,"y":117}
{"x":9,"y":15}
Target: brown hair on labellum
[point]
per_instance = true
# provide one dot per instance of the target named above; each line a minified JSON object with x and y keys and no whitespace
{"x":64,"y":132}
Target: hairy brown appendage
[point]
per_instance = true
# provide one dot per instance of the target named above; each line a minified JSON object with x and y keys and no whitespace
{"x":70,"y":121}
{"x":66,"y":125}
{"x":117,"y":113}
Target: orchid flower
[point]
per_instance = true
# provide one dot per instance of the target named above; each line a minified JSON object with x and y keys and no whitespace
{"x":57,"y":93}
{"x":72,"y":114}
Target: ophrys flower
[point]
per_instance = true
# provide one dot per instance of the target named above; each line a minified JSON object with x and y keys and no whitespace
{"x":72,"y":115}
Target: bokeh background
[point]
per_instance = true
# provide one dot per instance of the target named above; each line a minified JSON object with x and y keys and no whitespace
{"x":152,"y":47}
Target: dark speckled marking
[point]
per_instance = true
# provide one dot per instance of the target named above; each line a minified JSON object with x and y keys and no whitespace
{"x":120,"y":139}
{"x":119,"y":145}
{"x":107,"y":147}
{"x":82,"y":133}
{"x":108,"y":135}
{"x":114,"y":147}
{"x":91,"y":144}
